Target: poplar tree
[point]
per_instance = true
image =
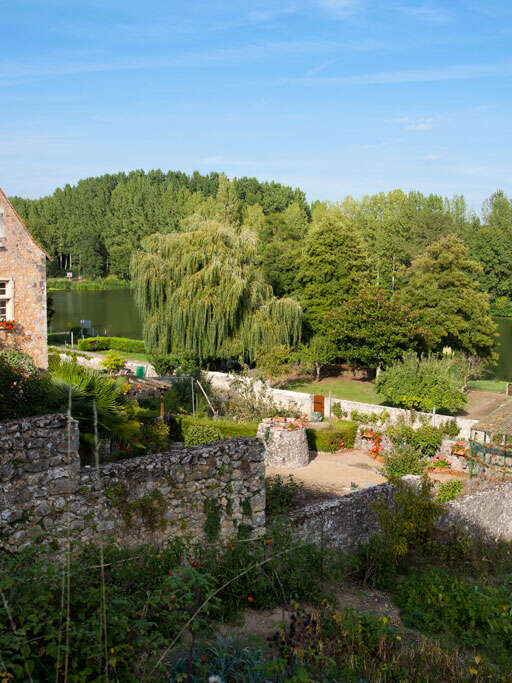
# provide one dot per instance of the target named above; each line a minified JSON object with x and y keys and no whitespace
{"x":333,"y":269}
{"x":201,"y":293}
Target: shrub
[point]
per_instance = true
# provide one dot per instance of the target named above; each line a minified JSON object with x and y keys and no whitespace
{"x":117,"y":343}
{"x":274,"y":362}
{"x":451,"y":429}
{"x":113,"y":361}
{"x":281,"y":495}
{"x":170,"y":364}
{"x":423,"y":384}
{"x":478,"y":615}
{"x":426,"y":439}
{"x":449,"y":490}
{"x":402,"y":461}
{"x":346,"y":645}
{"x":201,"y":433}
{"x":24,"y":389}
{"x":229,"y":430}
{"x":340,"y":434}
{"x":155,"y":435}
{"x":337,"y":411}
{"x":406,"y":522}
{"x":246,"y":402}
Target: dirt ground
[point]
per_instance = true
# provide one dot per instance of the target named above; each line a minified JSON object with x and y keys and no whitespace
{"x":334,"y":474}
{"x":330,"y":475}
{"x":481,"y":403}
{"x":260,"y":625}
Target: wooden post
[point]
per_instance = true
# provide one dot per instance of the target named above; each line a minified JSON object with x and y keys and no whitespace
{"x":72,"y":339}
{"x":162,"y":404}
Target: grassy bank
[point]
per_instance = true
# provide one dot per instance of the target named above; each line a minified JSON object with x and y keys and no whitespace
{"x":496,"y":385}
{"x":63,"y":284}
{"x":350,"y":390}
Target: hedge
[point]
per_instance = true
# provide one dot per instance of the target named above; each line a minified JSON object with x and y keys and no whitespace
{"x":229,"y":430}
{"x":117,"y":343}
{"x":341,"y":434}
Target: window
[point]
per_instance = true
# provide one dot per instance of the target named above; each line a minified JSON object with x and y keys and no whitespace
{"x":6,"y":300}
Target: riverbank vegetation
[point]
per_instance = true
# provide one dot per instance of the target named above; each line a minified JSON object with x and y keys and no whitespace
{"x":55,"y":284}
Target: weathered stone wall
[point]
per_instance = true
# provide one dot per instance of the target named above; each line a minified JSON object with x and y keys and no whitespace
{"x":215,"y":490}
{"x":283,"y":448}
{"x":23,"y":263}
{"x":349,"y":522}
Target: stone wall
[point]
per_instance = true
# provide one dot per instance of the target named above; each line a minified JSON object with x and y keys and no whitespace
{"x":215,"y":490}
{"x":348,"y":522}
{"x":23,"y":266}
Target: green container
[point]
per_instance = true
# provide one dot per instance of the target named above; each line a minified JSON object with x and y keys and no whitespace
{"x":140,"y":371}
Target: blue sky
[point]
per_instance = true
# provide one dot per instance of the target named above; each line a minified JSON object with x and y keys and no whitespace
{"x":334,"y":96}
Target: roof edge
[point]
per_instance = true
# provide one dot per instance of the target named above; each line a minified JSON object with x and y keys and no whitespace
{"x":4,"y":196}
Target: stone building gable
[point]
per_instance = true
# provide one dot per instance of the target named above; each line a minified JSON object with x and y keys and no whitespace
{"x":22,"y":286}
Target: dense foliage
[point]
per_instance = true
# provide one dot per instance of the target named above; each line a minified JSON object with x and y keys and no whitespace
{"x":226,"y":264}
{"x":423,"y":384}
{"x":442,"y":287}
{"x":24,"y":389}
{"x":373,"y":330}
{"x":150,"y":595}
{"x":196,"y":434}
{"x":93,"y":227}
{"x":201,"y":292}
{"x":117,"y":343}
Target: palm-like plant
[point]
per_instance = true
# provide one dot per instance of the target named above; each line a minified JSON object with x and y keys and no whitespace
{"x":86,"y":387}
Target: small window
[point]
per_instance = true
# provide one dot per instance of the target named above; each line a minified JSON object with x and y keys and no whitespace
{"x":6,"y":300}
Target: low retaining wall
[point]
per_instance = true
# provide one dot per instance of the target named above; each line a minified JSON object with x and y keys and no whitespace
{"x":349,"y":522}
{"x":214,"y":490}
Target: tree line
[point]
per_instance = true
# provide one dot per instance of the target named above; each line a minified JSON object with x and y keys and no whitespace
{"x":229,"y":268}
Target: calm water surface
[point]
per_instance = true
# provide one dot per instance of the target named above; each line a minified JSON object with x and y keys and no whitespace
{"x":114,"y":313}
{"x":111,"y":312}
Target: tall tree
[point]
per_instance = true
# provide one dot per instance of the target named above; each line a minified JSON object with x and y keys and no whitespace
{"x":228,"y":210}
{"x":442,"y":286}
{"x":372,"y":330}
{"x":201,"y":293}
{"x":333,"y":268}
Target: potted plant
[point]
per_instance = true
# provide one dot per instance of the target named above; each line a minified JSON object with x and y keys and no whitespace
{"x":8,"y":325}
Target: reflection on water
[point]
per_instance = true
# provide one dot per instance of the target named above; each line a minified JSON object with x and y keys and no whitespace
{"x":504,"y":368}
{"x":114,"y":313}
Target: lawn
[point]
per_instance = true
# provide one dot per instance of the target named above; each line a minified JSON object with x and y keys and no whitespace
{"x":350,"y":390}
{"x":495,"y":385}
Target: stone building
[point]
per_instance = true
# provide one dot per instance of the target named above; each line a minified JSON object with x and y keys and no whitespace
{"x":22,"y":287}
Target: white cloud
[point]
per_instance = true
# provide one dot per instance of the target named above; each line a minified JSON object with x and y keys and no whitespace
{"x":341,"y":8}
{"x":432,"y":157}
{"x":420,"y":126}
{"x":437,"y":15}
{"x":465,"y":72}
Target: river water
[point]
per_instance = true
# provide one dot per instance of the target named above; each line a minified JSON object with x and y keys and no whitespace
{"x":113,"y":312}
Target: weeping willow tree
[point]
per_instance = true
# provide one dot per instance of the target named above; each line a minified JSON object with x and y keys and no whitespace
{"x":201,"y":293}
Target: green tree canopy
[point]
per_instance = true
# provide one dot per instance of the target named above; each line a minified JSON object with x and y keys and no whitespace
{"x":334,"y":266}
{"x":442,"y":286}
{"x":201,"y":293}
{"x":373,"y":330}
